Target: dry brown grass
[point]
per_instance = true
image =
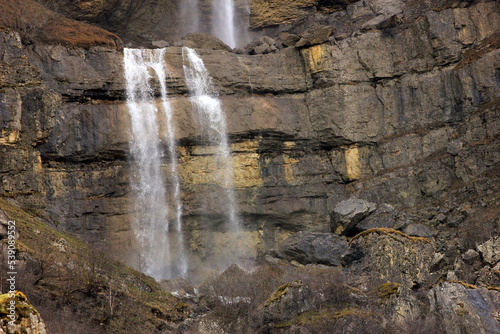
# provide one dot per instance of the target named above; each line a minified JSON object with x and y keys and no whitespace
{"x":391,"y":233}
{"x":386,"y":290}
{"x":37,"y":23}
{"x":466,"y":285}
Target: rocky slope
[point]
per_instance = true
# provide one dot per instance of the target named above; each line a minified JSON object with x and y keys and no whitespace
{"x":391,"y":102}
{"x":75,"y":288}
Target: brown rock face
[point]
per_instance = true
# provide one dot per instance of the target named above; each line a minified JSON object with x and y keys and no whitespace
{"x":269,"y":13}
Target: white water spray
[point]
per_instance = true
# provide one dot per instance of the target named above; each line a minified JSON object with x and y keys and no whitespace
{"x":223,"y":23}
{"x":208,"y":109}
{"x":155,"y":237}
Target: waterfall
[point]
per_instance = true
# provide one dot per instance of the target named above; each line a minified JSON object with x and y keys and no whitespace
{"x":208,"y":111}
{"x":155,"y":237}
{"x":223,"y":22}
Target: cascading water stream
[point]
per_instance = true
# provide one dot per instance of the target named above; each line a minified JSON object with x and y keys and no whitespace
{"x":223,"y":23}
{"x":155,"y":237}
{"x":208,"y":110}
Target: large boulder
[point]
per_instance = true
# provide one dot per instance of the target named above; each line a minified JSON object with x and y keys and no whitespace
{"x":313,"y":247}
{"x":490,"y":250}
{"x":418,"y":230}
{"x":347,"y":214}
{"x":387,"y":255}
{"x":204,"y":41}
{"x":385,"y":216}
{"x":466,"y":310}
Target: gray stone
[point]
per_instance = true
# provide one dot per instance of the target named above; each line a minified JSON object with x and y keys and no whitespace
{"x":441,"y":217}
{"x":418,"y":230}
{"x":454,"y":147}
{"x":204,"y":41}
{"x":471,"y":257}
{"x":387,"y":256}
{"x":452,"y":276}
{"x":262,"y":49}
{"x":160,"y":44}
{"x":263,"y":45}
{"x":289,"y":39}
{"x":384,"y":216}
{"x":311,"y":247}
{"x":348,"y":213}
{"x":267,"y":40}
{"x":490,"y":250}
{"x":386,"y":7}
{"x":358,"y":9}
{"x":372,"y":23}
{"x":438,"y":262}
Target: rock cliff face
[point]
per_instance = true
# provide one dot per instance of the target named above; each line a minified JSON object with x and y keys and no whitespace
{"x":402,"y":110}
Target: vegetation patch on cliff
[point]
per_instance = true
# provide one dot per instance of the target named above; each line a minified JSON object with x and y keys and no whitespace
{"x":37,"y":23}
{"x":390,"y":232}
{"x":386,"y":290}
{"x":487,"y":45}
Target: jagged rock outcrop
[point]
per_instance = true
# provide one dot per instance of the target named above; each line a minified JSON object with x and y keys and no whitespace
{"x":348,"y":213}
{"x":387,"y":255}
{"x":490,"y":251}
{"x":203,"y":41}
{"x":466,"y":310}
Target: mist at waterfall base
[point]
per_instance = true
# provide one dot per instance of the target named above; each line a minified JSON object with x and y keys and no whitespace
{"x":160,"y":245}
